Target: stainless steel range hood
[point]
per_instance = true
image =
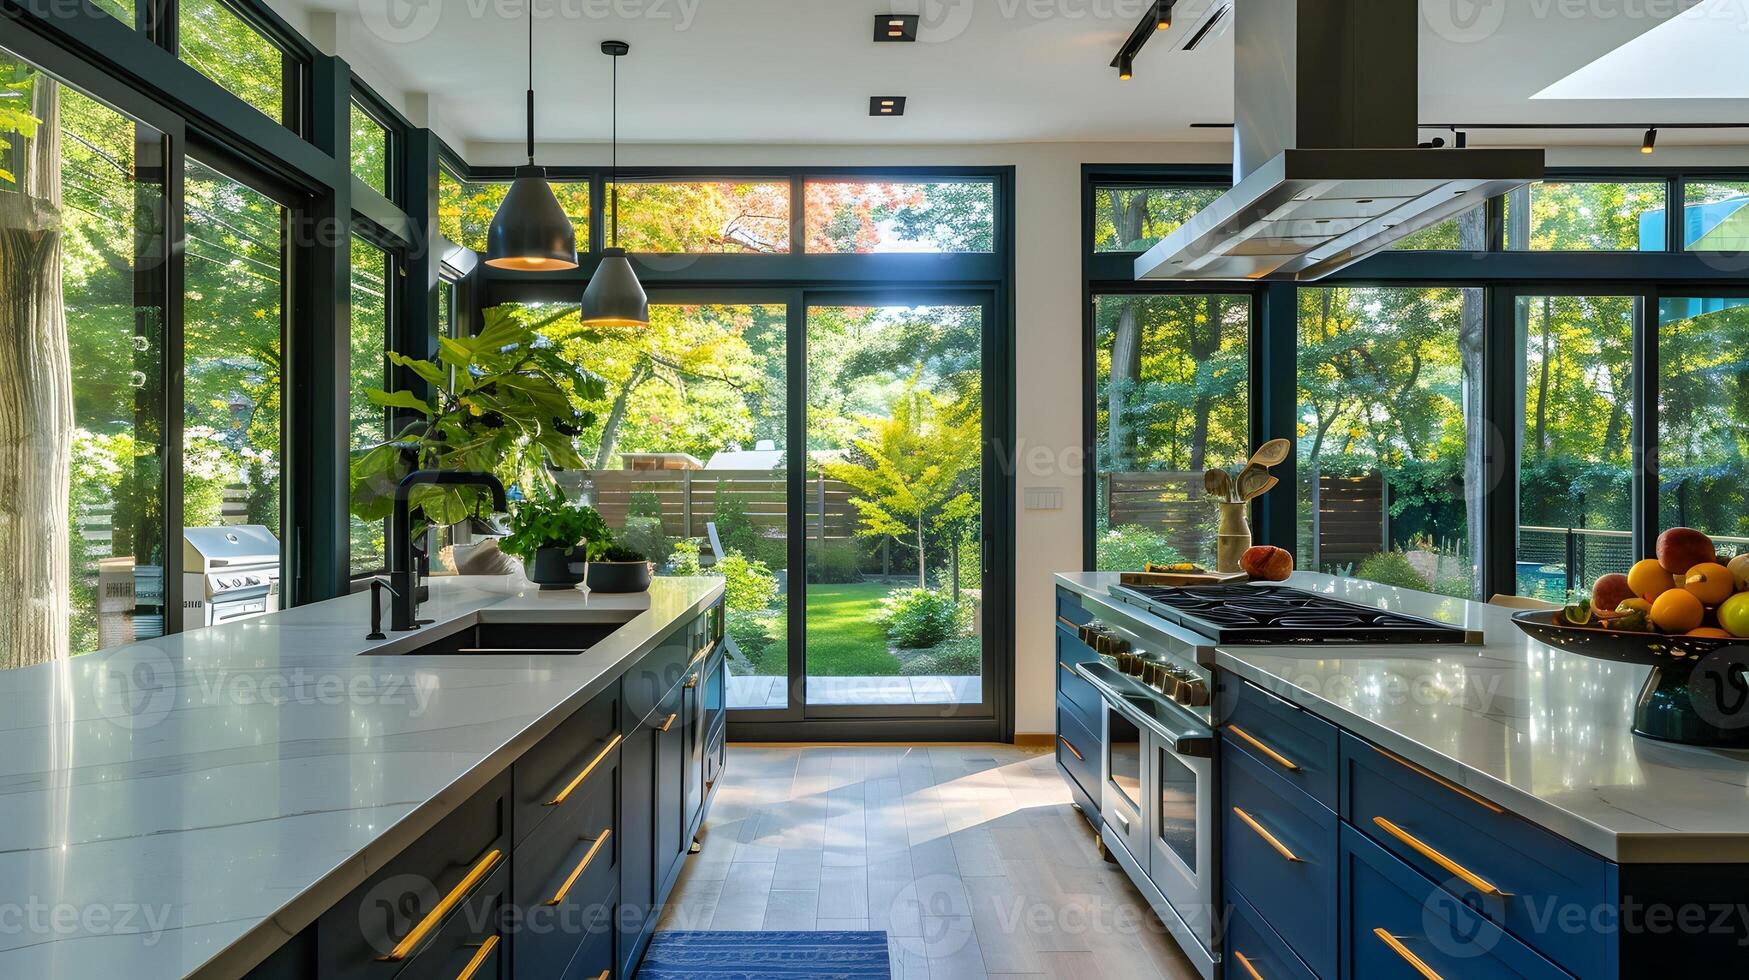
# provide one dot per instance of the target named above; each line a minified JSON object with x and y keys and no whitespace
{"x":1326,"y":168}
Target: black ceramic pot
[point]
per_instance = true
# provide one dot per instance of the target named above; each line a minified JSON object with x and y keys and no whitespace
{"x":619,"y":576}
{"x":556,"y":568}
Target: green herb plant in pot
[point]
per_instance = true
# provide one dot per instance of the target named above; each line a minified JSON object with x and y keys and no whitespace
{"x":554,"y":538}
{"x":617,"y":568}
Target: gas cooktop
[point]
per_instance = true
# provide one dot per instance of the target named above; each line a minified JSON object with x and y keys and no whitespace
{"x":1274,"y":614}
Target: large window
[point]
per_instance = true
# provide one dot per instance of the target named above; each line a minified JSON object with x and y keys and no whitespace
{"x":1576,"y":432}
{"x":1389,"y":401}
{"x":233,"y":52}
{"x":232,"y":323}
{"x":698,"y":216}
{"x":369,"y":333}
{"x":1716,"y":216}
{"x":1134,"y":218}
{"x":1703,"y":417}
{"x":465,"y":208}
{"x":906,"y":216}
{"x":81,"y":393}
{"x":1171,"y":400}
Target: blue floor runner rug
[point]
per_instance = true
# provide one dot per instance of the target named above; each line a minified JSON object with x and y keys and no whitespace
{"x":752,"y":955}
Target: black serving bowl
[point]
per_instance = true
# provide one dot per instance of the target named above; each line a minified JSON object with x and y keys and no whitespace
{"x":1697,"y":692}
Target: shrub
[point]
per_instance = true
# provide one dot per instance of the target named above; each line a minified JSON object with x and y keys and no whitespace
{"x":916,"y":618}
{"x":835,"y":561}
{"x":1458,"y":586}
{"x":1391,"y":568}
{"x":684,"y":559}
{"x":755,"y":636}
{"x":1131,"y":547}
{"x":644,"y":534}
{"x":734,"y":528}
{"x":750,"y":586}
{"x":971,"y":564}
{"x":962,"y":656}
{"x":644,"y":503}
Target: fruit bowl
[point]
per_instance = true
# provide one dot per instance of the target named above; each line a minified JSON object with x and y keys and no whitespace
{"x":1697,"y":692}
{"x":1623,"y":646}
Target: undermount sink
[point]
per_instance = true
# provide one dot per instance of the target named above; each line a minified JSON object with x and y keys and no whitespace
{"x":508,"y":639}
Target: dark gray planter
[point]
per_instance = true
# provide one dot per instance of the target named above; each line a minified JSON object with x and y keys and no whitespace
{"x":619,"y":576}
{"x":556,"y":568}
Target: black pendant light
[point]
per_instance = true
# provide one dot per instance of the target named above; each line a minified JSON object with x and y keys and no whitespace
{"x":531,"y":232}
{"x":614,"y":297}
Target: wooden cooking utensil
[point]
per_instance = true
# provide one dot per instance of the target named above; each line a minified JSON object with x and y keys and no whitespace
{"x":1255,"y":487}
{"x":1251,"y":475}
{"x":1218,"y":483}
{"x":1270,"y":453}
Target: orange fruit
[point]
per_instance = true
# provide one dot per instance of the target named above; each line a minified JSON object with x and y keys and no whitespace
{"x":1677,"y":611}
{"x":1712,"y":631}
{"x":1710,"y":582}
{"x":1649,"y":580}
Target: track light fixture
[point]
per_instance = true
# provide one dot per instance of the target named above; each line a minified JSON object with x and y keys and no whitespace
{"x":1158,"y":18}
{"x":1125,"y":67}
{"x":1163,"y":15}
{"x":1650,"y":142}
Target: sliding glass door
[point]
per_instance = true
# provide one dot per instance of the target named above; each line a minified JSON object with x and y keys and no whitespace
{"x":894,"y":505}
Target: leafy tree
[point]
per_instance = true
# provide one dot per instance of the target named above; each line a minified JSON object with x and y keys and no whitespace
{"x":912,"y":472}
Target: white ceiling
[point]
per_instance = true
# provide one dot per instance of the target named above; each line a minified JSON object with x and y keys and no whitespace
{"x":801,"y":71}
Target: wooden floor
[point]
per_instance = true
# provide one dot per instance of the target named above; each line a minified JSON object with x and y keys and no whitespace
{"x":969,"y":856}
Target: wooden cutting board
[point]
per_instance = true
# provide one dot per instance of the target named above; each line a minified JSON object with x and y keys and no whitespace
{"x":1177,"y":579}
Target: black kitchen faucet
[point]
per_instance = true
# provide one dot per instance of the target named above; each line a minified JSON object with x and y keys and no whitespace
{"x":403,"y":571}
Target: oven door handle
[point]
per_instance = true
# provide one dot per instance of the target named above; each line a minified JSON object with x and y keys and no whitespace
{"x":1198,"y":741}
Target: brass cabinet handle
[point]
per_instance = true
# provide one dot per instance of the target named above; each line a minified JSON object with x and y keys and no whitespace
{"x":603,"y":975}
{"x":1274,"y":756}
{"x":583,"y":773}
{"x":1066,"y":621}
{"x":1451,"y":867}
{"x":1245,"y":962}
{"x":577,"y":872}
{"x":475,"y":875}
{"x":692,"y":682}
{"x":479,"y":958}
{"x":1280,"y":848}
{"x":1408,"y":957}
{"x":667,"y":724}
{"x":698,"y":657}
{"x":1065,"y":666}
{"x":1072,"y":749}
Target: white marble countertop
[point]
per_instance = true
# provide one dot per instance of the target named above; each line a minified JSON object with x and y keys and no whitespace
{"x":190,"y":803}
{"x":1540,"y":731}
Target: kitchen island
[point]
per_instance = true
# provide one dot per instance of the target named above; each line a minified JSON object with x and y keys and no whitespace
{"x":284,"y":796}
{"x":1477,"y":809}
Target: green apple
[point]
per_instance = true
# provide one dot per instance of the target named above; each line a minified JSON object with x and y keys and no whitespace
{"x":1734,"y":614}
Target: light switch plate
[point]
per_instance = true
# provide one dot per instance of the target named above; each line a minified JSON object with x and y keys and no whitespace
{"x":1043,"y":498}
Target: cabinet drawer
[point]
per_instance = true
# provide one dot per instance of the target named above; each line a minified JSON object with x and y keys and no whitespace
{"x":645,"y":686}
{"x":1398,"y":924}
{"x":468,"y":946}
{"x":548,"y":779}
{"x":1285,"y":739}
{"x":566,"y":874}
{"x":1279,"y":851}
{"x":1069,"y":607}
{"x":1078,"y":751}
{"x":1254,"y":951}
{"x":1505,"y":868}
{"x":595,"y":960}
{"x":1081,"y":696}
{"x":376,"y":931}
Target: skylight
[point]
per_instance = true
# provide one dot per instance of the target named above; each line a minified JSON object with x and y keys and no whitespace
{"x":1698,"y":54}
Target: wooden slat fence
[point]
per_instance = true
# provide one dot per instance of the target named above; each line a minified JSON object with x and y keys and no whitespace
{"x":1173,"y":503}
{"x":1350,"y":521}
{"x":688,"y":499}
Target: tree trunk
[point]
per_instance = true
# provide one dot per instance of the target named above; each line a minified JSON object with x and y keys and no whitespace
{"x":953,"y":566}
{"x":36,"y":403}
{"x":1542,"y":387}
{"x":1203,"y":347}
{"x":617,"y":414}
{"x":1129,"y":213}
{"x":1473,"y":236}
{"x":922,"y":557}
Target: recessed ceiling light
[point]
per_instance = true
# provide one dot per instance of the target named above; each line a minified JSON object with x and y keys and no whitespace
{"x":886,"y":105}
{"x":895,"y":27}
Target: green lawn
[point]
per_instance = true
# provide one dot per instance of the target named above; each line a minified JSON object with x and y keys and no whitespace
{"x":843,"y":638}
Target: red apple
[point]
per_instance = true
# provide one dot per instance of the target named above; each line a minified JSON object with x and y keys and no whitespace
{"x":1682,"y":548}
{"x":1252,"y":562}
{"x":1610,"y":591}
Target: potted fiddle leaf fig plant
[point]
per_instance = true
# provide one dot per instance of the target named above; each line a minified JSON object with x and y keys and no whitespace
{"x":616,"y":568}
{"x":500,"y":402}
{"x":555,"y":540}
